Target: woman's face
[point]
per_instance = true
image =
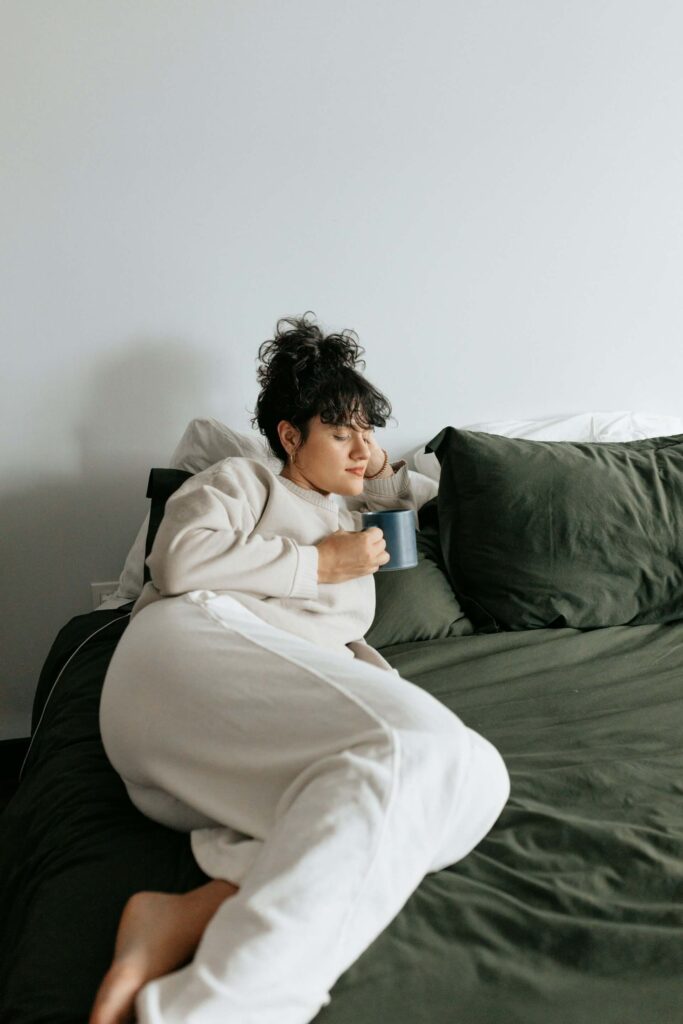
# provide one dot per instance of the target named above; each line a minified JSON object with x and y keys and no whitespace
{"x":325,"y":461}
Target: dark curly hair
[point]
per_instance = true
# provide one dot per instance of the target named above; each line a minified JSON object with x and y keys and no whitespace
{"x":305,"y":373}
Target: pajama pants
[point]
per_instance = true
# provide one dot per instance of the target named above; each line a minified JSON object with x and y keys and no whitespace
{"x":325,"y":786}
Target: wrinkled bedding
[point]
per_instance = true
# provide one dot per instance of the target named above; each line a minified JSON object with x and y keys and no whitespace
{"x":569,"y":912}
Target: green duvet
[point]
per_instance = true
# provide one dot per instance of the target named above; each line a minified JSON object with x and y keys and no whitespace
{"x":569,"y":912}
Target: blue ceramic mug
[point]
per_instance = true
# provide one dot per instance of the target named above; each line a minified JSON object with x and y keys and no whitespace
{"x":398,"y":527}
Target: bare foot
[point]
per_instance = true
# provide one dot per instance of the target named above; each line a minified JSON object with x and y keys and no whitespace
{"x":158,"y":933}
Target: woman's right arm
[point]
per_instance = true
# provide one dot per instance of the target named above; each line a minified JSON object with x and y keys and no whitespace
{"x":206,"y":541}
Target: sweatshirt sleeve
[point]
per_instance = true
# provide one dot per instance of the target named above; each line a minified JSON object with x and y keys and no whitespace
{"x":405,"y":489}
{"x":390,"y":492}
{"x":206,"y":541}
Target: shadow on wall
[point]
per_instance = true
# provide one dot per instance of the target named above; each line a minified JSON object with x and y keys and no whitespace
{"x":143,"y":398}
{"x":66,"y":531}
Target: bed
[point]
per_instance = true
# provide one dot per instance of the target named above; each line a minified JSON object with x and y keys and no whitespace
{"x":569,"y":912}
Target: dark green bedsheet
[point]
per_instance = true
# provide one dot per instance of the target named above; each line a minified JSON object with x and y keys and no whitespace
{"x":569,"y":912}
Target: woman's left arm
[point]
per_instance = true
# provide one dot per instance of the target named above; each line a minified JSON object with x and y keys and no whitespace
{"x":395,"y":487}
{"x":390,"y":486}
{"x":390,"y":490}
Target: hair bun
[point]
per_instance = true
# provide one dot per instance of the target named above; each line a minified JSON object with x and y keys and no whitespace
{"x":340,"y":349}
{"x":303,"y":346}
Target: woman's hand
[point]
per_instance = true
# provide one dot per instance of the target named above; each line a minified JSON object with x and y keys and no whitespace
{"x":376,"y":460}
{"x":344,"y":555}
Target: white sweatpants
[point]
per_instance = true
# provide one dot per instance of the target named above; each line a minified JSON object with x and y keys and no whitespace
{"x":324,"y":786}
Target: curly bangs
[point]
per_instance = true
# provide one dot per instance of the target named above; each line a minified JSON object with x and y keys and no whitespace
{"x":351,"y":401}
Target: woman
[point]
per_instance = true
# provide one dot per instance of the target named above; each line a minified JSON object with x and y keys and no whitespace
{"x":242,"y":705}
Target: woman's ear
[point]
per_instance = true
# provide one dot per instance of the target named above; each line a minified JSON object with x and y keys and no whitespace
{"x":289,"y":436}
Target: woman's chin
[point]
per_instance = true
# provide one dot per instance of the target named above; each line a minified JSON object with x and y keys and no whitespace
{"x":353,"y":484}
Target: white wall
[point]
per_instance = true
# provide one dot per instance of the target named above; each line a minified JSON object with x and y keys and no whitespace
{"x":487,"y":192}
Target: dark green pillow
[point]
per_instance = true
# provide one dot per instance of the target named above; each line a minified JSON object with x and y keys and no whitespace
{"x":558,"y":533}
{"x":418,"y":603}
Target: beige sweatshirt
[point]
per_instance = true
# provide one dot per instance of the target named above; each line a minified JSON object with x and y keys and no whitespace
{"x":239,"y":528}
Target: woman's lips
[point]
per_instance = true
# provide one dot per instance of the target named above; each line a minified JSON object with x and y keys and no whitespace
{"x":357,"y":472}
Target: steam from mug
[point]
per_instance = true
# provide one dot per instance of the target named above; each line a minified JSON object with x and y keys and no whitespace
{"x":398,"y":527}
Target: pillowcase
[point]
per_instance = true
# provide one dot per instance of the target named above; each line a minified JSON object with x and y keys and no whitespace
{"x":583,"y":426}
{"x":207,"y":441}
{"x":550,"y":533}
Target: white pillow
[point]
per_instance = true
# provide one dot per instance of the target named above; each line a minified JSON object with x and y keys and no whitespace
{"x":584,"y":426}
{"x":633,"y":426}
{"x":205,"y":442}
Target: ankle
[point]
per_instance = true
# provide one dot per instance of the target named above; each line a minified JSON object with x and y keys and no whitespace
{"x":206,"y":899}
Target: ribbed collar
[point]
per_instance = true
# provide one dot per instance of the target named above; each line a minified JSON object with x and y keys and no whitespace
{"x":311,"y":496}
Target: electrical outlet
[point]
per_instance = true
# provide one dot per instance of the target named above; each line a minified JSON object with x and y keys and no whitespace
{"x":101,"y":591}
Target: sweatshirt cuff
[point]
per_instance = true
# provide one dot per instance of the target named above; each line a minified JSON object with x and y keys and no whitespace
{"x":398,"y":484}
{"x":306,"y":576}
